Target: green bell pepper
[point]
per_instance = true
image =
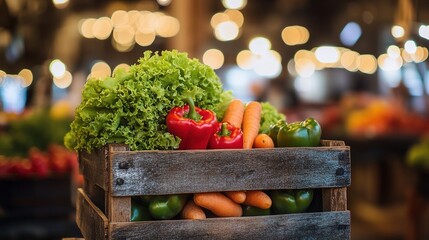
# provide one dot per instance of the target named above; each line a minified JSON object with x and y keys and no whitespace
{"x":291,"y":201}
{"x":274,"y":130}
{"x":167,"y":206}
{"x":255,"y":211}
{"x":300,"y":134}
{"x":139,"y":212}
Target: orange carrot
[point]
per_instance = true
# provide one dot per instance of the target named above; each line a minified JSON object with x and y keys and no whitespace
{"x":258,"y":199}
{"x":263,"y":140}
{"x":251,"y":123}
{"x":218,"y":203}
{"x":192,"y":211}
{"x":234,"y":113}
{"x":236,"y":196}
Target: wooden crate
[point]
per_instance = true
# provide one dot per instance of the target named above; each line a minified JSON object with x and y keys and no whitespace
{"x":114,"y":174}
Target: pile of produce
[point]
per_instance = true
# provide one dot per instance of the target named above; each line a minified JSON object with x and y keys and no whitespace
{"x":168,"y":101}
{"x":131,"y":107}
{"x":33,"y":129}
{"x":56,"y":160}
{"x":217,"y":204}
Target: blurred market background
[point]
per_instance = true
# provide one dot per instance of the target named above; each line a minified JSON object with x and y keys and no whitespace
{"x":360,"y":67}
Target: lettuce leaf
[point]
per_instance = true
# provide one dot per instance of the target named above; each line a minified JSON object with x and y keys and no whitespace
{"x":131,"y":107}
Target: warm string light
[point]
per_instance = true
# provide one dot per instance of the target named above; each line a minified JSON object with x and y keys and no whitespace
{"x":260,"y":58}
{"x":227,"y":25}
{"x":128,"y":28}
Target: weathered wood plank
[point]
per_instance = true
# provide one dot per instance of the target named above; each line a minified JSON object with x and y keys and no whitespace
{"x":91,"y":221}
{"x":96,"y":194}
{"x":168,"y":172}
{"x":334,"y":199}
{"x":119,"y":209}
{"x":93,"y":166}
{"x":322,"y":225}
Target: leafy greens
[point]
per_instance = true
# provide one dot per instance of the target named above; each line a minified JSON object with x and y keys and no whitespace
{"x":131,"y":107}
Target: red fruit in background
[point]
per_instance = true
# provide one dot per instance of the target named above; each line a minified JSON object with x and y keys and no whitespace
{"x":58,"y":159}
{"x":21,"y":168}
{"x":5,"y":167}
{"x":39,"y":161}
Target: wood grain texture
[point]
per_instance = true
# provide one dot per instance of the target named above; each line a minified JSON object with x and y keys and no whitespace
{"x":322,"y":225}
{"x":91,"y":221}
{"x":334,"y":199}
{"x":168,"y":172}
{"x":94,"y":166}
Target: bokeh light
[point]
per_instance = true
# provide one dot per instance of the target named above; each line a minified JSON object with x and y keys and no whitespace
{"x":226,"y":31}
{"x":100,"y":70}
{"x":327,"y":54}
{"x":397,"y":31}
{"x":63,"y":81}
{"x":246,"y":60}
{"x":213,"y":58}
{"x":27,"y":77}
{"x":234,"y":4}
{"x":57,"y":68}
{"x":259,"y":45}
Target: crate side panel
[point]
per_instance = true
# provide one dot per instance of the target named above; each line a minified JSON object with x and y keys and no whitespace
{"x":93,"y":167}
{"x":327,"y":225}
{"x":168,"y":172}
{"x":90,"y":220}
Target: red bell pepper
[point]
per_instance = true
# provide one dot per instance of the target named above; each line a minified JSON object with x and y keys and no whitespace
{"x":227,"y":136}
{"x":192,"y":125}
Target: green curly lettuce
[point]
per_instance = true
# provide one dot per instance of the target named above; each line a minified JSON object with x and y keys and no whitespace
{"x":131,"y":107}
{"x":269,"y":116}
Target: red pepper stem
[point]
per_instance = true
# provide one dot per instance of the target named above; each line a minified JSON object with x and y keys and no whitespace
{"x":192,"y":114}
{"x":224,"y":132}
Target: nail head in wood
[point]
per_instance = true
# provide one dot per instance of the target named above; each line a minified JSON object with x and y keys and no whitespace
{"x":119,"y":181}
{"x":124,"y":165}
{"x":339,"y":172}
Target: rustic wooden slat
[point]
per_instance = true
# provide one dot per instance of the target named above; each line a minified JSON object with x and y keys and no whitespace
{"x":91,"y":221}
{"x":96,"y":194}
{"x":334,"y":199}
{"x":93,"y":166}
{"x":322,"y":225}
{"x":119,"y":208}
{"x":168,"y":172}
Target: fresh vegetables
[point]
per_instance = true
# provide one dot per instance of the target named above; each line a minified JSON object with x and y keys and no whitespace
{"x":192,"y":211}
{"x":226,"y":136}
{"x":234,"y":113}
{"x":139,"y":212}
{"x":274,"y":130}
{"x":269,"y":116}
{"x":218,"y":203}
{"x":251,"y":123}
{"x":249,"y":211}
{"x":263,"y":140}
{"x":236,"y":196}
{"x":131,"y":107}
{"x":299,"y":134}
{"x":194,"y":126}
{"x":291,"y":201}
{"x":257,"y":198}
{"x":167,"y":206}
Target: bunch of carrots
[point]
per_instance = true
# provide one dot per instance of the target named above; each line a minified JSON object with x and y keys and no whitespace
{"x":228,"y":204}
{"x":248,"y":118}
